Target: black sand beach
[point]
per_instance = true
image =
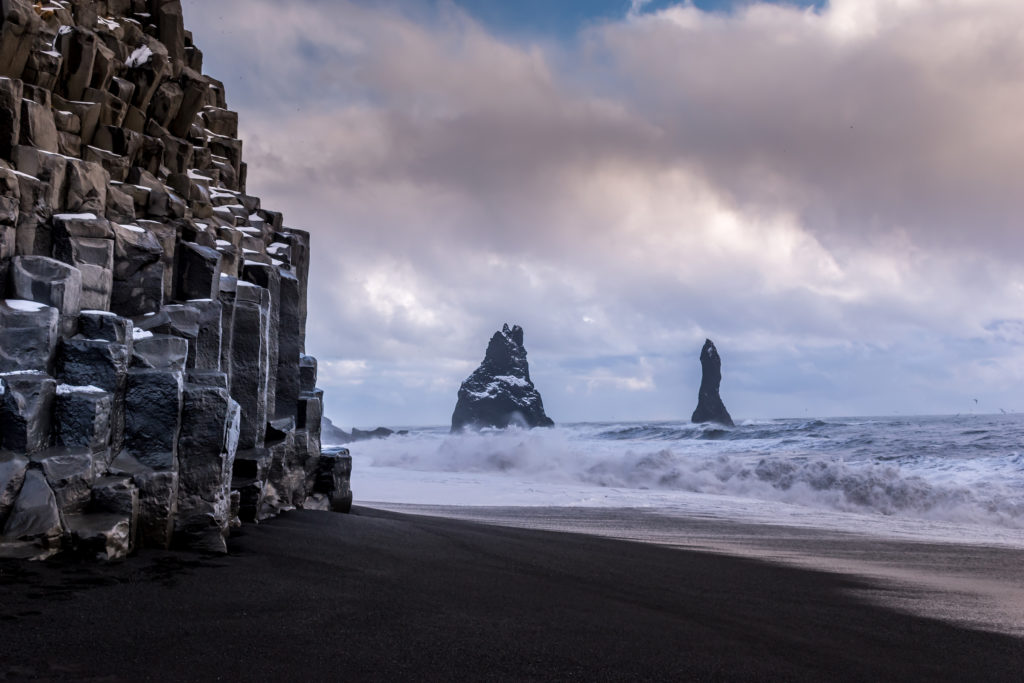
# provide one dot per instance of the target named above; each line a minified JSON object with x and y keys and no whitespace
{"x":385,"y":596}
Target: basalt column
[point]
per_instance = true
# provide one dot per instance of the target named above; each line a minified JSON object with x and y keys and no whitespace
{"x":153,"y":387}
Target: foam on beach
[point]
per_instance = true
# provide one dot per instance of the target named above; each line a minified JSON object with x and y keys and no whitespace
{"x":936,"y":485}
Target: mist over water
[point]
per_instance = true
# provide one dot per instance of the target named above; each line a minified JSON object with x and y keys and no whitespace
{"x":964,"y":469}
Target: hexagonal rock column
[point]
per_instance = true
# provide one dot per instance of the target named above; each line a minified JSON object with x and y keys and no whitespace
{"x":138,"y":286}
{"x":101,"y":536}
{"x":289,"y":348}
{"x":152,"y":421}
{"x":82,"y":419}
{"x":269,"y":278}
{"x":101,"y":363}
{"x":12,"y":476}
{"x":249,"y":362}
{"x":70,"y":474}
{"x":87,"y":243}
{"x":209,"y":339}
{"x":26,"y":409}
{"x":198,"y":272}
{"x":153,"y":401}
{"x":175,"y":320}
{"x":28,"y":335}
{"x":50,"y":282}
{"x":249,"y":479}
{"x":118,"y":496}
{"x":33,"y":529}
{"x":160,"y":352}
{"x":206,"y":456}
{"x":334,"y":471}
{"x":286,"y":485}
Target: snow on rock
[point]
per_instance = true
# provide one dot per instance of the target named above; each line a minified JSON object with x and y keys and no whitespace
{"x":65,"y":389}
{"x":140,"y":56}
{"x":26,"y":306}
{"x":76,"y":216}
{"x":500,"y":393}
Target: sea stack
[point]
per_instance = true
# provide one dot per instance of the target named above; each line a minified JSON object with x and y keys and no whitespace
{"x":500,"y":393}
{"x":709,"y":403}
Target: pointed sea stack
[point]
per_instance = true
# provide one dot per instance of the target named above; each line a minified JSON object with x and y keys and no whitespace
{"x":499,"y":392}
{"x":709,"y":404}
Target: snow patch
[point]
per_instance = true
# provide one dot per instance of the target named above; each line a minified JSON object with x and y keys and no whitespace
{"x":141,"y":56}
{"x":66,"y":389}
{"x":76,"y":216}
{"x":26,"y":306}
{"x":139,"y":333}
{"x":513,"y":380}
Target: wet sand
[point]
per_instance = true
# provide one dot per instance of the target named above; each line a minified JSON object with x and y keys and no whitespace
{"x":380,"y":595}
{"x":966,"y":583}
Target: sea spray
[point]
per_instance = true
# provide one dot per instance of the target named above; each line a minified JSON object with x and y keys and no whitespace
{"x":963,"y":469}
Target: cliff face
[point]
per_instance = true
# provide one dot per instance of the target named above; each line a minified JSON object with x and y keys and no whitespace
{"x":153,"y":382}
{"x":500,"y":392}
{"x":710,"y":407}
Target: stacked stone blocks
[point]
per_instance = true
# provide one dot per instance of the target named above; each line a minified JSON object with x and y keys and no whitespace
{"x":153,"y":385}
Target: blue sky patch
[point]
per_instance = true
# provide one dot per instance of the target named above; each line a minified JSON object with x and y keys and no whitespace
{"x":565,"y":18}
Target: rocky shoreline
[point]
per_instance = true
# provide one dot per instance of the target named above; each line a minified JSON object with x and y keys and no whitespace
{"x":154,"y":389}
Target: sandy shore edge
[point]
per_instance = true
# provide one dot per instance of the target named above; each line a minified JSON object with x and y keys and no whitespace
{"x":968,"y":584}
{"x":380,"y":595}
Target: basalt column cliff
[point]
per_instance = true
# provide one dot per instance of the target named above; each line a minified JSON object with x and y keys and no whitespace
{"x":153,"y":383}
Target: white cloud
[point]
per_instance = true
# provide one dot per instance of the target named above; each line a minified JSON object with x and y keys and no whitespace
{"x":825,"y":193}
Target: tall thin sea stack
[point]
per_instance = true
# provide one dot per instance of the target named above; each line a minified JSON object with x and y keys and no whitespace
{"x":500,"y":393}
{"x":709,"y":403}
{"x":153,"y":385}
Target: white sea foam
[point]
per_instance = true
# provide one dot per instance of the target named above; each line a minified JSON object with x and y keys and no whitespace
{"x":893,"y":474}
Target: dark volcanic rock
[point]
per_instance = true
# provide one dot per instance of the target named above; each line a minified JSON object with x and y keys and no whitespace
{"x":500,"y":393}
{"x":709,"y":404}
{"x":331,"y":434}
{"x":378,"y":433}
{"x":152,"y":312}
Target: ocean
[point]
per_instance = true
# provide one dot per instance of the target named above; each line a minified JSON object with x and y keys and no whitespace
{"x":936,"y":479}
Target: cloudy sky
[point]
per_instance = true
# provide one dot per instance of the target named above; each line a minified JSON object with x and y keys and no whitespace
{"x":832,"y":191}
